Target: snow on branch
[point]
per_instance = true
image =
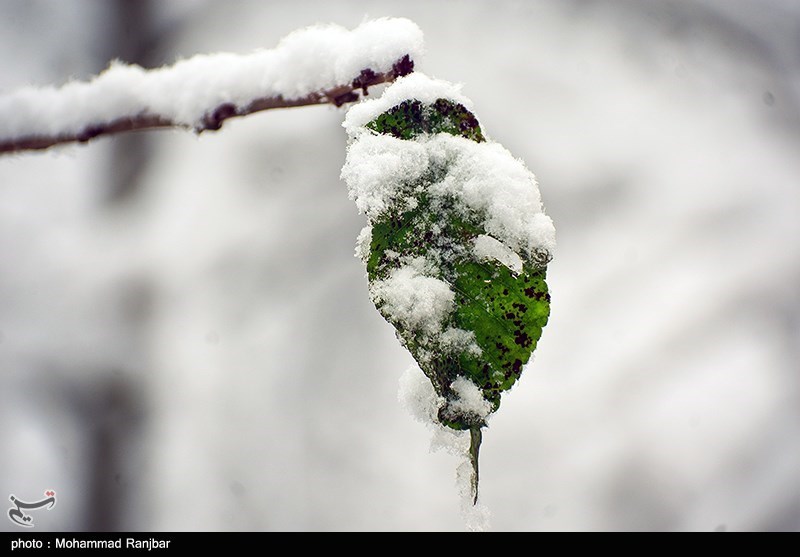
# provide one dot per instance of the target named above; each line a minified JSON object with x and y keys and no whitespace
{"x":317,"y":65}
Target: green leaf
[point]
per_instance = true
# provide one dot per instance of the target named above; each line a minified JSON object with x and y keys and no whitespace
{"x":411,"y":118}
{"x":500,"y":310}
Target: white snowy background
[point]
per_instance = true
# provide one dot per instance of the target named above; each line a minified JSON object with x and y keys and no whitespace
{"x":187,"y":342}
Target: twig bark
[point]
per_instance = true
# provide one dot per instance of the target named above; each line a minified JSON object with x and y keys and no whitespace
{"x":214,"y":118}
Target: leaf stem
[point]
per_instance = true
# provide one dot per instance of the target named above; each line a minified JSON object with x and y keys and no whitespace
{"x":475,"y":438}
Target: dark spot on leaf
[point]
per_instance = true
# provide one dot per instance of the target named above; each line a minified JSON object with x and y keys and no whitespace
{"x":522,"y":339}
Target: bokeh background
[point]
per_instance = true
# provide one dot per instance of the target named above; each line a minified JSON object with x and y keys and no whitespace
{"x":186,"y":340}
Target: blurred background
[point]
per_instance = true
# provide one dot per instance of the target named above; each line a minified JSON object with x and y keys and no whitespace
{"x":187,"y":342}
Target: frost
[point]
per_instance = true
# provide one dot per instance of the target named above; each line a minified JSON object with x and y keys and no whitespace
{"x":488,"y":248}
{"x":412,"y":300}
{"x":317,"y":58}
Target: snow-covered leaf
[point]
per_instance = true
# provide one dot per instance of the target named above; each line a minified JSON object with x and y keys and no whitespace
{"x":458,"y":245}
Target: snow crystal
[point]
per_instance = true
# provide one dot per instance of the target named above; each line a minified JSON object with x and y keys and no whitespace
{"x":487,"y":248}
{"x":317,"y":58}
{"x":414,"y":301}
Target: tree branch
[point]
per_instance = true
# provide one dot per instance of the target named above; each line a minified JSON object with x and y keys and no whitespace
{"x":213,"y":119}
